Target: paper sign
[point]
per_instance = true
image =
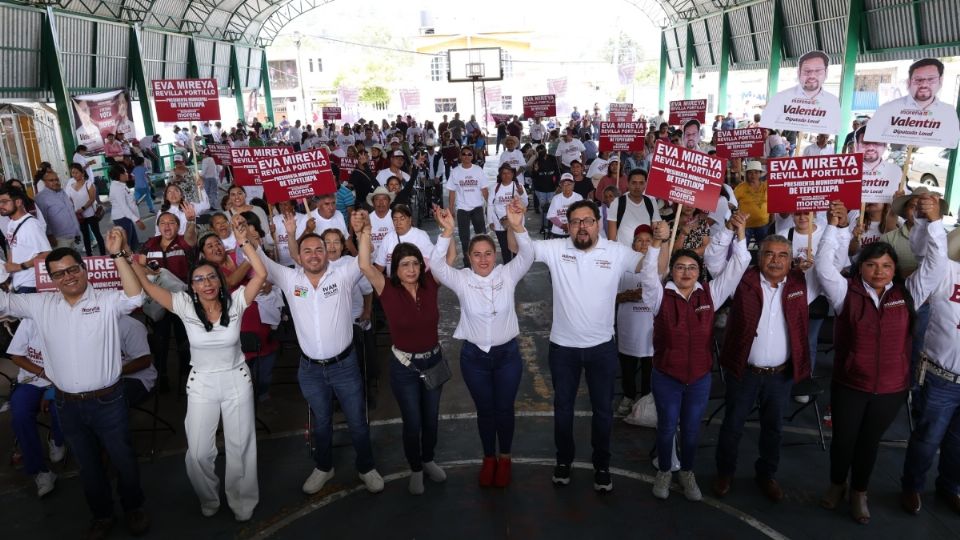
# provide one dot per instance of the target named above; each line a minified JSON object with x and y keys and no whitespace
{"x":807,"y":106}
{"x":347,"y":166}
{"x":244,"y":162}
{"x":497,"y":117}
{"x":687,"y":177}
{"x":622,"y":136}
{"x":621,"y":112}
{"x":297,"y":175}
{"x":332,"y":113}
{"x":221,"y":153}
{"x":687,"y":109}
{"x":540,"y":106}
{"x":881,"y":180}
{"x":186,"y":100}
{"x":101,"y":273}
{"x":809,"y":184}
{"x":739,"y":143}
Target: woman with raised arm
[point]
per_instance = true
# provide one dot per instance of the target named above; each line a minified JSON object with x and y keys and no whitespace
{"x":219,"y":383}
{"x":490,"y":359}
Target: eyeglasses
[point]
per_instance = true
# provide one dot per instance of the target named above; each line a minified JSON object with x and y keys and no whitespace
{"x":925,"y":80}
{"x":585,"y":222}
{"x":686,"y":268}
{"x":330,"y":243}
{"x":209,"y":277}
{"x":72,"y":270}
{"x":809,"y":72}
{"x":466,"y":154}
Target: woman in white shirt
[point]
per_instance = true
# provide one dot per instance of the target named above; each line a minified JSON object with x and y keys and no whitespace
{"x":175,"y":203}
{"x":219,"y":382}
{"x":498,"y":199}
{"x":83,"y":194}
{"x":490,"y":359}
{"x":123,"y":209}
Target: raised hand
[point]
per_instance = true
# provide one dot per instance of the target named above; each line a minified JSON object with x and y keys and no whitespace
{"x":837,"y":215}
{"x":928,"y":206}
{"x":116,"y":239}
{"x":239,"y":229}
{"x":311,"y":225}
{"x":661,"y":231}
{"x":190,"y":211}
{"x":444,"y":218}
{"x":360,"y":221}
{"x":515,"y":214}
{"x":290,"y":225}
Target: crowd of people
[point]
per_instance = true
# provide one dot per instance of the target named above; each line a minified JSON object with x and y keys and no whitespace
{"x":629,"y":299}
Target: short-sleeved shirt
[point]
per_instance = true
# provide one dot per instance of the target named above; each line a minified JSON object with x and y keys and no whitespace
{"x":26,"y":343}
{"x":384,"y":254}
{"x":133,"y":345}
{"x":468,"y":184}
{"x":218,"y":349}
{"x":30,"y":239}
{"x":413,"y":323}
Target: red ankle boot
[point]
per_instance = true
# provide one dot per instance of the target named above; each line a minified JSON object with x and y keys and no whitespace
{"x":502,"y":478}
{"x":487,"y":471}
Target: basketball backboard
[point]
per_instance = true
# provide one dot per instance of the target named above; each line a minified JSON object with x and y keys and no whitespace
{"x":474,"y":65}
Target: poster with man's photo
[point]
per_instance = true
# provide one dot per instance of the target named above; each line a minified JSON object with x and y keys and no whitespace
{"x":806,"y":107}
{"x":96,"y":115}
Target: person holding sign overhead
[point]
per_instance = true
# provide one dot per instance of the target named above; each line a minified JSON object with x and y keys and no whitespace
{"x":806,"y":107}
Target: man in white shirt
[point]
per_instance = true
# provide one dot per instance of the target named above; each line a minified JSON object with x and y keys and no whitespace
{"x":90,"y":397}
{"x":211,"y":178}
{"x":325,"y":217}
{"x":557,"y":212}
{"x":26,"y":240}
{"x":181,"y":143}
{"x":585,"y":271}
{"x":396,"y":163}
{"x":918,"y":118}
{"x":138,"y":373}
{"x":656,"y":121}
{"x":881,"y":178}
{"x":569,"y":149}
{"x":538,"y":132}
{"x":820,"y":147}
{"x":295,"y":135}
{"x":468,"y":192}
{"x":632,"y":209}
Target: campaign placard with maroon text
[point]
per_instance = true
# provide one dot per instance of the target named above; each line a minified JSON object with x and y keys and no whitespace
{"x":739,"y":143}
{"x":347,"y":166}
{"x":244,"y":162}
{"x":101,"y":273}
{"x":687,"y":177}
{"x":808,"y":184}
{"x":687,"y":109}
{"x":297,"y":175}
{"x":621,"y":112}
{"x":186,"y":100}
{"x":540,"y":106}
{"x":622,"y":136}
{"x":332,"y":113}
{"x":221,"y":153}
{"x":498,"y":117}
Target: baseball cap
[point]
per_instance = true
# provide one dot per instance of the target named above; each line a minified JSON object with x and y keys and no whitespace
{"x":615,"y":157}
{"x":566,"y":177}
{"x":642,"y":229}
{"x":395,"y":140}
{"x":397,"y":153}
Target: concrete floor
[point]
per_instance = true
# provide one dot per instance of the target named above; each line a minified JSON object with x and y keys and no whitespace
{"x":530,"y":508}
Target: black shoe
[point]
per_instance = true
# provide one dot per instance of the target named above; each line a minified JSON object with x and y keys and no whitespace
{"x":561,"y":475}
{"x":137,"y":521}
{"x":100,"y":529}
{"x":602,"y":481}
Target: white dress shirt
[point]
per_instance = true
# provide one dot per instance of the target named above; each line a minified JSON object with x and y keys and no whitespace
{"x":833,"y":284}
{"x":771,"y":347}
{"x":937,"y":281}
{"x":122,"y":204}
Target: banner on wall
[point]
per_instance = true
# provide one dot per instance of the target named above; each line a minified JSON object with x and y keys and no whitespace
{"x":96,"y":115}
{"x":806,"y":107}
{"x":187,"y":100}
{"x":808,"y":184}
{"x":626,"y":73}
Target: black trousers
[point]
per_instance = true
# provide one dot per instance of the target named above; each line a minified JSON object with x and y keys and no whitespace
{"x":628,"y":375}
{"x":464,"y":219}
{"x":859,"y":421}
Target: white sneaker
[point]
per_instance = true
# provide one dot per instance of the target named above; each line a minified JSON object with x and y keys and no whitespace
{"x":57,"y":453}
{"x":316,"y":480}
{"x":661,"y":484}
{"x":372,"y":480}
{"x":434,"y":472}
{"x":801,"y":399}
{"x":416,"y":483}
{"x":626,"y":405}
{"x":690,"y":488}
{"x":44,"y":482}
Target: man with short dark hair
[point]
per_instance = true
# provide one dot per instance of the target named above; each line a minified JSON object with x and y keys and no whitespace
{"x":57,"y":208}
{"x":924,"y":83}
{"x":26,"y":240}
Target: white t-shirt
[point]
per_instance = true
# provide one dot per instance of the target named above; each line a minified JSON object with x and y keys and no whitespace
{"x":813,"y":150}
{"x":283,"y":243}
{"x":133,"y":345}
{"x":219,"y":349}
{"x":385,"y":175}
{"x":26,"y":343}
{"x":569,"y":151}
{"x":598,"y":168}
{"x":380,"y":227}
{"x":558,"y":209}
{"x":335,"y":222}
{"x":415,"y":236}
{"x":515,"y":159}
{"x":634,"y":321}
{"x":498,"y":198}
{"x":634,"y":216}
{"x":344,"y":141}
{"x":30,"y":240}
{"x":468,"y":185}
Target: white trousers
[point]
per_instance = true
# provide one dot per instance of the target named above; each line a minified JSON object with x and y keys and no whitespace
{"x":210,"y":395}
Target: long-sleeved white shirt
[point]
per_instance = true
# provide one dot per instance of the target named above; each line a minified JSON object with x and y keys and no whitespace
{"x":937,"y":281}
{"x":122,"y":204}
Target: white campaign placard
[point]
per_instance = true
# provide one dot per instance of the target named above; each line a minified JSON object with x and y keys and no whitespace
{"x":806,"y":107}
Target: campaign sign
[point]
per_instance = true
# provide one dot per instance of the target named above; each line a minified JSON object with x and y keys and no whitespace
{"x":499,"y":117}
{"x":687,"y":177}
{"x":622,"y":136}
{"x":901,"y":121}
{"x":739,"y":143}
{"x":621,"y":112}
{"x":347,"y":166}
{"x":687,"y":109}
{"x":332,"y":113}
{"x":221,"y":153}
{"x":881,"y":180}
{"x":809,"y":184}
{"x":297,"y":175}
{"x":186,"y":100}
{"x":540,"y":106}
{"x":101,"y":273}
{"x":244,"y":162}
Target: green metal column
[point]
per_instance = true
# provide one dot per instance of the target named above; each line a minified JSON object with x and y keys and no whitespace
{"x":688,"y":65}
{"x":953,"y":176}
{"x":265,"y":82}
{"x":724,"y":64}
{"x":50,"y":51}
{"x":776,"y":50}
{"x":139,"y":77}
{"x":848,"y":75}
{"x":193,"y":65}
{"x":237,"y":83}
{"x":664,"y":66}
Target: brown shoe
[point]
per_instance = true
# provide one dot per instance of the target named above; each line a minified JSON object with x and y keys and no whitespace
{"x":910,"y":502}
{"x":952,"y":500}
{"x":100,"y":529}
{"x":770,"y":488}
{"x":721,"y":486}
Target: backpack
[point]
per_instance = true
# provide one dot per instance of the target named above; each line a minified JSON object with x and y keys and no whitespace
{"x":622,"y":207}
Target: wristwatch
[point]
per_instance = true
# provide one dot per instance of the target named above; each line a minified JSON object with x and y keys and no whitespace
{"x":122,"y":253}
{"x":24,"y":266}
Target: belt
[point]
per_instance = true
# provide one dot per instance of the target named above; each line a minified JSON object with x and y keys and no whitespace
{"x":420,"y":355}
{"x":768,"y":370}
{"x":333,"y":359}
{"x":944,"y":374}
{"x":81,"y":396}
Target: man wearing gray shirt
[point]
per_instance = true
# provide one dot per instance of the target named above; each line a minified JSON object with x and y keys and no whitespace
{"x":62,"y":226}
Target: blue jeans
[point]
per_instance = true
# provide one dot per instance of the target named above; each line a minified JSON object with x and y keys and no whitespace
{"x":319,"y":384}
{"x":600,"y":365}
{"x":919,"y":334}
{"x":24,"y":406}
{"x":262,"y":369}
{"x":210,"y":186}
{"x":544,"y":197}
{"x":493,"y":379}
{"x":24,"y":290}
{"x":134,"y":391}
{"x":144,"y":192}
{"x":95,"y":425}
{"x":813,"y":336}
{"x":678,"y":403}
{"x":130,"y":228}
{"x":771,"y":393}
{"x":937,"y":407}
{"x":419,"y":408}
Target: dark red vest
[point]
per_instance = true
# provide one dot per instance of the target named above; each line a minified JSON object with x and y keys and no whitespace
{"x":745,"y":315}
{"x":683,"y":335}
{"x":873,"y":345}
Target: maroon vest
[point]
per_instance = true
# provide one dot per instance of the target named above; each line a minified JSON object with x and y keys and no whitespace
{"x":873,"y":345}
{"x":745,"y":317}
{"x":683,"y":335}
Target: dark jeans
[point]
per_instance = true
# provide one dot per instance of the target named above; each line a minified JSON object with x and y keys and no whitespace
{"x":24,"y":406}
{"x":937,"y":407}
{"x":365,"y":345}
{"x":319,"y":385}
{"x":91,"y":226}
{"x":262,"y":369}
{"x":493,"y":379}
{"x":97,"y":425}
{"x":599,"y":364}
{"x":859,"y":422}
{"x":771,"y":393}
{"x":162,"y":329}
{"x":134,"y":391}
{"x":130,"y":228}
{"x":505,"y":252}
{"x":628,"y":375}
{"x":683,"y":405}
{"x":419,"y":408}
{"x":919,"y":335}
{"x":464,"y":219}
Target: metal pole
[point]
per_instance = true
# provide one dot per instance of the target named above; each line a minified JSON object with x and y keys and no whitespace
{"x":848,"y":77}
{"x":138,"y":75}
{"x":237,"y":83}
{"x":663,"y":70}
{"x":724,"y":64}
{"x":688,"y":65}
{"x":265,"y":82}
{"x":303,"y":93}
{"x":50,"y":46}
{"x":776,"y":50}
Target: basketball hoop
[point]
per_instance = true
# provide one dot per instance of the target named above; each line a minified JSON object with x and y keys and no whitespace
{"x":475,"y":70}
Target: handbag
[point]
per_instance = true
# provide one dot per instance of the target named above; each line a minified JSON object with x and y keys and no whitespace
{"x":99,"y":212}
{"x":432,"y":377}
{"x":644,"y":413}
